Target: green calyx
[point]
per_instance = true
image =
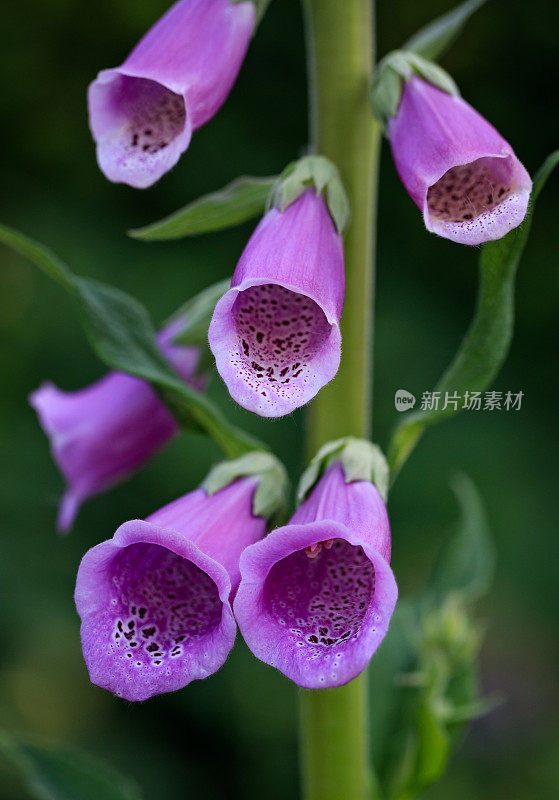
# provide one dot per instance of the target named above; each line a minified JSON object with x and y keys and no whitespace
{"x":314,"y":172}
{"x":361,"y":461}
{"x":393,"y":71}
{"x":271,"y":494}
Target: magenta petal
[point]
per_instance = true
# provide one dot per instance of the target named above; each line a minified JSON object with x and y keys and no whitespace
{"x":142,"y":114}
{"x":101,"y":434}
{"x":275,"y":335}
{"x":316,"y":596}
{"x":155,"y":599}
{"x":317,"y":620}
{"x":457,"y":168}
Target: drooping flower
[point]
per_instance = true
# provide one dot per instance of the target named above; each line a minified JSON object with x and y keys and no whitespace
{"x":456,"y":167}
{"x":102,"y":433}
{"x":316,"y":595}
{"x":275,"y":334}
{"x":154,"y":600}
{"x":142,"y":114}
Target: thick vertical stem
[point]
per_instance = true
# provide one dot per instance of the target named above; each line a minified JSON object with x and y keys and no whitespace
{"x":334,"y":722}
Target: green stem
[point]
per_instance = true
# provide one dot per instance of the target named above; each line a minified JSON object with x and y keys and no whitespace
{"x":334,"y":722}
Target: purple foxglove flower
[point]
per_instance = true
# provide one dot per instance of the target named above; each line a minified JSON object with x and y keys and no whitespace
{"x":456,"y":167}
{"x":142,"y":114}
{"x":275,"y":334}
{"x":102,"y":433}
{"x":316,"y":595}
{"x":154,"y":600}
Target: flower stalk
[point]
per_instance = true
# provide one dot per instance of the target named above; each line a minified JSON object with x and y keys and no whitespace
{"x":334,"y":735}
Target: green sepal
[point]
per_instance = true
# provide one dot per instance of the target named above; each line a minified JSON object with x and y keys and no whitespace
{"x":393,"y":71}
{"x":239,"y":201}
{"x":270,"y":497}
{"x":361,"y":461}
{"x":321,"y":174}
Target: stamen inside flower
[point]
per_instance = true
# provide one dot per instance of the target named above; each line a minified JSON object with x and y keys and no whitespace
{"x":322,"y":598}
{"x":469,"y":190}
{"x":162,"y":604}
{"x":314,"y":549}
{"x":280,"y":333}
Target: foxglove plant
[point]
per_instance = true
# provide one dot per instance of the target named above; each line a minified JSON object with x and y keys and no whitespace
{"x":142,"y":114}
{"x":275,"y":334}
{"x":314,"y":598}
{"x":155,"y":600}
{"x":317,"y":594}
{"x":102,"y":433}
{"x":459,"y":171}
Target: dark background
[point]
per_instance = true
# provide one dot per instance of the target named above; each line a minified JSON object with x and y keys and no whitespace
{"x":235,"y":733}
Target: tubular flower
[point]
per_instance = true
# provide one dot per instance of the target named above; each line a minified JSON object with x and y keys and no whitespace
{"x":102,"y":433}
{"x":316,"y":595}
{"x":142,"y":114}
{"x":456,"y":167}
{"x":154,"y":600}
{"x":275,"y":334}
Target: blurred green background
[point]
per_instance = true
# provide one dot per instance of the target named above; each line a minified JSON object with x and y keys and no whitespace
{"x":235,"y":733}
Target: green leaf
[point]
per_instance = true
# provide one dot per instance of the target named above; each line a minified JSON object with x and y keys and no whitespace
{"x":432,"y":40}
{"x":195,"y":315}
{"x":486,"y":345}
{"x":241,"y":200}
{"x":424,"y":679}
{"x":467,"y":562}
{"x":121,"y":333}
{"x":52,"y":772}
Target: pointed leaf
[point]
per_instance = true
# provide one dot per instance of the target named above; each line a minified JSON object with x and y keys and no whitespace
{"x":485,"y":347}
{"x":53,"y":772}
{"x":120,"y":331}
{"x":241,"y":200}
{"x":432,"y":40}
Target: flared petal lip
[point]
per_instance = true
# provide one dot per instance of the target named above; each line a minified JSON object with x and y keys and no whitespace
{"x":491,"y":224}
{"x":222,"y":336}
{"x":140,"y":179}
{"x":266,"y":638}
{"x":91,"y":598}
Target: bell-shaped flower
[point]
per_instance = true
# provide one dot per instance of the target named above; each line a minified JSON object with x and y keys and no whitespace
{"x":456,"y":167}
{"x":316,"y":595}
{"x":275,"y":334}
{"x":101,"y":434}
{"x":154,"y":600}
{"x":142,"y":114}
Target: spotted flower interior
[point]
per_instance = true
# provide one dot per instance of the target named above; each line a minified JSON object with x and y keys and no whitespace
{"x":469,"y":191}
{"x":280,"y":333}
{"x":143,"y":122}
{"x":162,"y":606}
{"x":322,"y":600}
